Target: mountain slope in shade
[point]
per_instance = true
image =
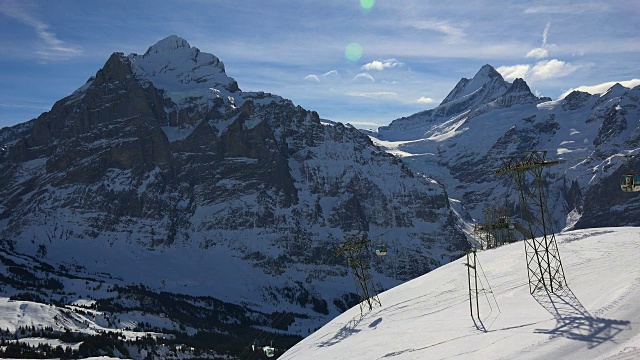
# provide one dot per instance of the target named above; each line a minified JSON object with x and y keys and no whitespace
{"x":596,"y":317}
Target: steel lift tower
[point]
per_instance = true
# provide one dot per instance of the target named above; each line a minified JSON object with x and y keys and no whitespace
{"x":543,"y":258}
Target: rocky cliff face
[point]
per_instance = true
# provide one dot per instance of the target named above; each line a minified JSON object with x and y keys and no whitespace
{"x":463,"y":148}
{"x":161,"y":171}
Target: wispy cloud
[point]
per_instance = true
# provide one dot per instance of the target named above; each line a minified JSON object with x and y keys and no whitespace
{"x":365,"y":76}
{"x":378,"y":94}
{"x":25,"y":106}
{"x":452,"y":32}
{"x":333,"y":74}
{"x":601,"y":88}
{"x":545,"y":34}
{"x":51,"y":48}
{"x":313,"y":78}
{"x":381,"y":65}
{"x":568,"y":9}
{"x":541,"y":52}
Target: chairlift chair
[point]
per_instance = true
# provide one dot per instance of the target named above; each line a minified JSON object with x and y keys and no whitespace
{"x":381,"y":250}
{"x":630,"y":183}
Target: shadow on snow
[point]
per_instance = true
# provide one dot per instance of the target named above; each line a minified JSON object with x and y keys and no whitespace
{"x":574,"y":321}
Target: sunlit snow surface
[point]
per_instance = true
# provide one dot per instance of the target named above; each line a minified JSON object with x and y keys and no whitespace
{"x":596,"y":317}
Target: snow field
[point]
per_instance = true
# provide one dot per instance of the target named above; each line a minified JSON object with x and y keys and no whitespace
{"x":595,"y":317}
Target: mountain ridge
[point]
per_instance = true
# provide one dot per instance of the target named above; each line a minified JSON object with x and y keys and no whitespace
{"x":459,"y":147}
{"x":193,"y":187}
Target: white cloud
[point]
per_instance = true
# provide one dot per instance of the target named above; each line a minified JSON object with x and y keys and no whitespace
{"x":312,"y":77}
{"x":551,"y":69}
{"x":379,"y":94}
{"x":602,"y":88}
{"x":381,"y":65}
{"x":542,"y":70}
{"x":51,"y":48}
{"x":444,"y":27}
{"x":366,"y":76}
{"x":545,"y":34}
{"x":425,"y":100}
{"x":514,"y":71}
{"x":538,"y":53}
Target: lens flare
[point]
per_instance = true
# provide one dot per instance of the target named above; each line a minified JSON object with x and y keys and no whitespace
{"x":367,"y":4}
{"x":353,"y":52}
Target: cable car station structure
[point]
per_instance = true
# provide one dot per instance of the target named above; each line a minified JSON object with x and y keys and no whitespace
{"x":544,"y":266}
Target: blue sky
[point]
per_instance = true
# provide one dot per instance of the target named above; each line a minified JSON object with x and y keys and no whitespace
{"x":413,"y":52}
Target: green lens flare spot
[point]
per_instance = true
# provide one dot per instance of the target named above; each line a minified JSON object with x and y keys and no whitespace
{"x":367,"y":4}
{"x":353,"y":52}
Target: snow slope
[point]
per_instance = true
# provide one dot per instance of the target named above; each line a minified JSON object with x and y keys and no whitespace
{"x":596,"y":317}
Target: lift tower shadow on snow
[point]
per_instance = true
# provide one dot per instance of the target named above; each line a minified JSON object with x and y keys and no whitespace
{"x":355,"y":247}
{"x":544,"y":266}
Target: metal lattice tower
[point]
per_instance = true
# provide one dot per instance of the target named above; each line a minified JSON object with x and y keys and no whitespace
{"x":356,"y":248}
{"x":497,"y":229}
{"x":544,"y":266}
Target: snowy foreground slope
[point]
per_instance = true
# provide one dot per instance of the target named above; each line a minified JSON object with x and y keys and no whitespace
{"x":596,"y":317}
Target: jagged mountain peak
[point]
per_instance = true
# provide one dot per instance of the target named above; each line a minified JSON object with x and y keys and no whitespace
{"x":519,"y":85}
{"x":486,"y":84}
{"x":487,"y":71}
{"x":575,"y":100}
{"x":616,"y":90}
{"x":518,"y":93}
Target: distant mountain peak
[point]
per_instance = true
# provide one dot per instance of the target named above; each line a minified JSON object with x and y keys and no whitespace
{"x":519,"y":85}
{"x":616,"y":90}
{"x":487,"y":81}
{"x":487,"y":71}
{"x":170,"y":43}
{"x":185,"y":73}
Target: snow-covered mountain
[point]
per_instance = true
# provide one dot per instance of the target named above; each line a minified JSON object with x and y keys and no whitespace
{"x":461,"y":143}
{"x":160,"y":176}
{"x":597,"y":316}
